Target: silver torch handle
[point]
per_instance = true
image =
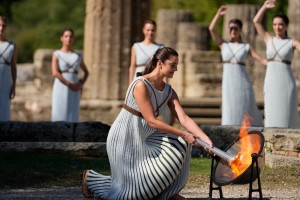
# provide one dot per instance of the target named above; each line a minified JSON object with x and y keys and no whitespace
{"x":222,"y":154}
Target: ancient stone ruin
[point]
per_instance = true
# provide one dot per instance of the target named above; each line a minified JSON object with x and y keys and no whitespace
{"x":111,"y":27}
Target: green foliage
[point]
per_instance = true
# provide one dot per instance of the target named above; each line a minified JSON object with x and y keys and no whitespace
{"x":39,"y":23}
{"x":204,"y":10}
{"x":34,"y":24}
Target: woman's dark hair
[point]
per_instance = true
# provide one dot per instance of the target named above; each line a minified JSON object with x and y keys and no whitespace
{"x":237,"y":22}
{"x":285,"y":19}
{"x":149,"y":21}
{"x":161,"y":54}
{"x":3,"y":18}
{"x":67,"y":29}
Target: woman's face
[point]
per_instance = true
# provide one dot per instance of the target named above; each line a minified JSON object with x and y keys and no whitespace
{"x":169,"y":66}
{"x":67,"y":38}
{"x":149,"y":31}
{"x":279,"y":27}
{"x":2,"y":27}
{"x":234,"y":31}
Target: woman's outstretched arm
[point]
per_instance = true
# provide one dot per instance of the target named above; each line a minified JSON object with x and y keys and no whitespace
{"x":212,"y":26}
{"x":259,"y":17}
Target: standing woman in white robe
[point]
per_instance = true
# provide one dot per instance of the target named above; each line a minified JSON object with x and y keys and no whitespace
{"x":238,"y":98}
{"x":141,"y":52}
{"x":8,"y":72}
{"x":280,"y":90}
{"x":67,"y":85}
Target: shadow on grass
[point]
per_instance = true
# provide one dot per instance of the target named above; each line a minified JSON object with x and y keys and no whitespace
{"x":36,"y":170}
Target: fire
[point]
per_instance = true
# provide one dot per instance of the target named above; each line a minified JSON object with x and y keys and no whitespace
{"x":243,"y":159}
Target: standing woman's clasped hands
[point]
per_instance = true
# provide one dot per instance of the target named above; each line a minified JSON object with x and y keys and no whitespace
{"x":75,"y":86}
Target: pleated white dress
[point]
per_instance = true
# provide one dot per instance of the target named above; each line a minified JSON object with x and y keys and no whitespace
{"x":280,"y":90}
{"x":65,"y":102}
{"x":238,"y":97}
{"x":145,"y":163}
{"x":6,"y":53}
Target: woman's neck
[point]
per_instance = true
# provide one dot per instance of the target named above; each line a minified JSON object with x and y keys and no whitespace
{"x":281,"y":36}
{"x":66,"y":49}
{"x":148,"y":41}
{"x":2,"y":38}
{"x":235,"y":40}
{"x":156,"y":80}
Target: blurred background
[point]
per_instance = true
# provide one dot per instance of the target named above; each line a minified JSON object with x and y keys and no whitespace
{"x":37,"y":24}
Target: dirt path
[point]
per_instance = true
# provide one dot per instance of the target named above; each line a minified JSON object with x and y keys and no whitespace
{"x":230,"y":192}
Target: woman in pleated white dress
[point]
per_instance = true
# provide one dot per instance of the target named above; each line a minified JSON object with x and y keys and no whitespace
{"x":280,"y":90}
{"x":141,"y":53}
{"x":149,"y":159}
{"x":67,"y":85}
{"x":8,"y":72}
{"x":238,"y":98}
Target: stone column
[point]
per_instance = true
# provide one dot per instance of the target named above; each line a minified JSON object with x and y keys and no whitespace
{"x":294,"y":16}
{"x":167,"y":23}
{"x":294,"y":32}
{"x":196,"y":38}
{"x":111,"y":27}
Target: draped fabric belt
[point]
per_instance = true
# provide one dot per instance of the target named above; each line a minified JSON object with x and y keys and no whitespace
{"x":239,"y":63}
{"x":141,"y":65}
{"x":132,"y":111}
{"x":69,"y":71}
{"x":284,"y":61}
{"x":5,"y":63}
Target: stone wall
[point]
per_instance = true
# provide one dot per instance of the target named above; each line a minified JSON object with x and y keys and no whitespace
{"x":282,"y":146}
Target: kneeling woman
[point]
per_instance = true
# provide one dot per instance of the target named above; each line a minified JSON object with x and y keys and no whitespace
{"x":149,"y":159}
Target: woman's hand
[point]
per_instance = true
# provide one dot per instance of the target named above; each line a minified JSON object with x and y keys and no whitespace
{"x":12,"y":92}
{"x":189,"y":138}
{"x":75,"y":86}
{"x":206,"y":140}
{"x":269,"y":4}
{"x":222,"y":10}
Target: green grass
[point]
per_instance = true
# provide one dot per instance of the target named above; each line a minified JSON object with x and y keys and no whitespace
{"x":22,"y":170}
{"x":36,"y":170}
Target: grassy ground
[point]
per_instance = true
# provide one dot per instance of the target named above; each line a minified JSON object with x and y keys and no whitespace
{"x":28,"y":170}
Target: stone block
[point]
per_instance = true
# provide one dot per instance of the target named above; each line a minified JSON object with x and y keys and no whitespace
{"x":53,"y":132}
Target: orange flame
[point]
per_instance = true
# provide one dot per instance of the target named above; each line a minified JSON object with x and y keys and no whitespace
{"x":243,"y":158}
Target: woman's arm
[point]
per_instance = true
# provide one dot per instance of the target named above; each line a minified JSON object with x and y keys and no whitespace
{"x":142,"y":96}
{"x":132,"y":65}
{"x":188,"y":123}
{"x":257,"y":57}
{"x":85,"y":72}
{"x":259,"y":17}
{"x":296,"y":45}
{"x":212,"y":26}
{"x":13,"y":72}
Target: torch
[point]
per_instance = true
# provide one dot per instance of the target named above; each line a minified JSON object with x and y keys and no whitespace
{"x":234,"y":161}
